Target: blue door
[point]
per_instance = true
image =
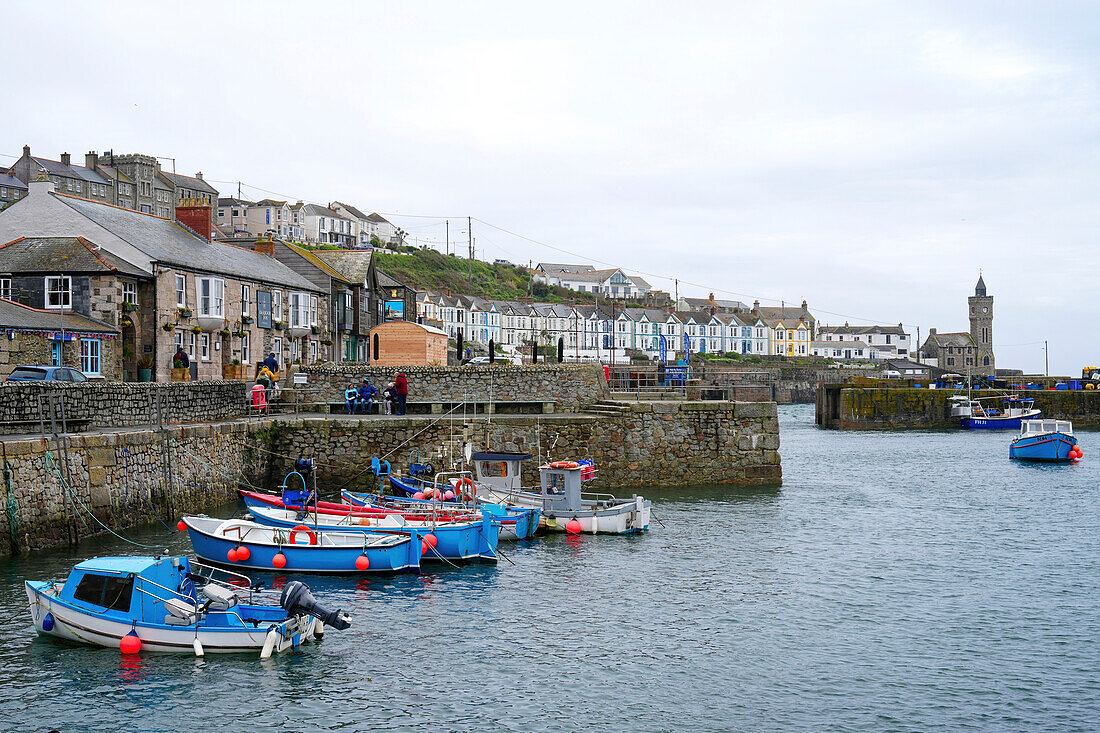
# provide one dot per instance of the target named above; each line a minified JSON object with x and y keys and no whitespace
{"x":55,"y":353}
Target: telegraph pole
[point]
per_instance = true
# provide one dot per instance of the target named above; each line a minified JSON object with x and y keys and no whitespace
{"x":1046,"y":358}
{"x":470,"y":244}
{"x":448,"y":236}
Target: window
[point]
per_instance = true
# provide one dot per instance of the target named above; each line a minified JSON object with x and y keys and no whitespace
{"x":129,"y":292}
{"x":59,"y":292}
{"x":204,"y":346}
{"x":181,"y":291}
{"x":278,"y":349}
{"x":211,"y":297}
{"x":277,"y":305}
{"x":177,"y":341}
{"x":89,"y":356}
{"x":313,"y":310}
{"x":246,"y":296}
{"x":105,"y":591}
{"x":246,"y":350}
{"x":236,"y":212}
{"x":221,"y":213}
{"x":312,"y":351}
{"x":70,"y":185}
{"x":5,"y":287}
{"x":191,"y":346}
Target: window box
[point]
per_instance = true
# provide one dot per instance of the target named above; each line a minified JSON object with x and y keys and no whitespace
{"x":234,"y":371}
{"x":183,"y":312}
{"x":240,"y":334}
{"x":183,"y":374}
{"x":196,"y":329}
{"x":129,"y":307}
{"x":279,"y":325}
{"x":223,"y":332}
{"x":168,"y":326}
{"x":245,"y":319}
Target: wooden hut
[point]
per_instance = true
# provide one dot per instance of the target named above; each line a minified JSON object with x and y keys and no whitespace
{"x":403,"y":343}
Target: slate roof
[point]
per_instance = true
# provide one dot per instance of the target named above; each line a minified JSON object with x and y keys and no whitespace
{"x":166,"y":241}
{"x":353,"y":211}
{"x":179,"y":180}
{"x":57,"y":168}
{"x":10,"y":181}
{"x":353,"y":264}
{"x":640,"y":282}
{"x":316,"y":261}
{"x":557,"y":267}
{"x":318,"y":210}
{"x":16,"y":316}
{"x":853,"y":330}
{"x":61,"y":254}
{"x":959,"y":339}
{"x":378,"y":219}
{"x":233,"y":201}
{"x":716,"y":303}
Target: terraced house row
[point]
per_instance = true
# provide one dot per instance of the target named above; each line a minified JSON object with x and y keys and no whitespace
{"x":591,"y":332}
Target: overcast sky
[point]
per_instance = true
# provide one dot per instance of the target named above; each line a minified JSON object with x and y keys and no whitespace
{"x":869,"y":157}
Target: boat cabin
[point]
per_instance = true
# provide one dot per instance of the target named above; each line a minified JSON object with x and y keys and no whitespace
{"x":1042,"y":427}
{"x":561,"y":489}
{"x":499,"y":470}
{"x":135,"y":587}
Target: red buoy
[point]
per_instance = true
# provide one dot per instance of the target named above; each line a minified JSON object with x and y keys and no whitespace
{"x":362,"y":563}
{"x":279,"y":560}
{"x":1080,"y":453}
{"x":431,"y":540}
{"x":232,"y":554}
{"x":573,"y":526}
{"x":418,"y":495}
{"x":243,"y":553}
{"x":424,"y":547}
{"x":181,"y":525}
{"x":130,"y":644}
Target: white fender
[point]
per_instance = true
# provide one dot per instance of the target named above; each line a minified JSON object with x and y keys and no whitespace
{"x":198,"y":647}
{"x":318,"y":628}
{"x":269,"y":644}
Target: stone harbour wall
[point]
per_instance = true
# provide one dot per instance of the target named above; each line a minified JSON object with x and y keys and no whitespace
{"x":120,"y":478}
{"x":571,"y":386}
{"x":120,"y":404}
{"x":651,"y":444}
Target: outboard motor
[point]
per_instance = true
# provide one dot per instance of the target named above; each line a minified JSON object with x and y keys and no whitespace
{"x":296,"y":598}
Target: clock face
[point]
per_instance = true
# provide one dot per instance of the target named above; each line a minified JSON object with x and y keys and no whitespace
{"x":984,"y":309}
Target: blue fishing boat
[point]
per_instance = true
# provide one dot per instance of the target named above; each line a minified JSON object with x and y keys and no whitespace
{"x":171,"y":604}
{"x":513,"y":522}
{"x":1050,"y":441}
{"x":246,"y":544}
{"x":471,"y":539}
{"x":993,"y":413}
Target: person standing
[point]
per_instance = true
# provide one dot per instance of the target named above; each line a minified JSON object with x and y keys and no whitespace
{"x":401,"y":388}
{"x":272,"y":363}
{"x":181,"y":360}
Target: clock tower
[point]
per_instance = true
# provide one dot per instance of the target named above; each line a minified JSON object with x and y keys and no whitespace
{"x":981,"y":328}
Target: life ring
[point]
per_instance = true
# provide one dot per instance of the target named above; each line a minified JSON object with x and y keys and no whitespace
{"x":565,"y":464}
{"x":302,"y":528}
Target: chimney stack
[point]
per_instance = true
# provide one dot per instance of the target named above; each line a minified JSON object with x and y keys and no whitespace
{"x":199,"y":175}
{"x":65,"y":159}
{"x":195,"y":215}
{"x":26,"y":151}
{"x":265,"y":245}
{"x":91,"y":160}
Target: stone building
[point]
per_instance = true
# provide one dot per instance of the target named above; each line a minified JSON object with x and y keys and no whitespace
{"x":83,"y":181}
{"x":61,"y":338}
{"x":381,"y":298}
{"x":218,"y":301}
{"x":962,"y":351}
{"x":11,"y":188}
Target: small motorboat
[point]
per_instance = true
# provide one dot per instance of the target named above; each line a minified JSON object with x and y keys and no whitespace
{"x":1045,"y":440}
{"x":474,"y":538}
{"x":984,"y":413}
{"x":172,"y":604}
{"x":565,"y":507}
{"x":303,"y":549}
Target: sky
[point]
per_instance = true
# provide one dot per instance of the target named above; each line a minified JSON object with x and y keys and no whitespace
{"x":870,"y":158}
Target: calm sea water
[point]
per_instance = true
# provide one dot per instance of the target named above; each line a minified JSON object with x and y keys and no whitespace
{"x":896,"y":581}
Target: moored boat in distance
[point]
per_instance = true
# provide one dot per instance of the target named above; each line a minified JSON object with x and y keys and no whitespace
{"x":565,"y":507}
{"x":171,"y":604}
{"x":1002,"y":412}
{"x":242,"y":543}
{"x":1050,"y":441}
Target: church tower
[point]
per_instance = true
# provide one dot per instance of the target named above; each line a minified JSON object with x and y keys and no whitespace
{"x":981,"y":328}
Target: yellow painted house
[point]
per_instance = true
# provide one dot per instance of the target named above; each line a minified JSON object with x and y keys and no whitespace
{"x":789,"y":337}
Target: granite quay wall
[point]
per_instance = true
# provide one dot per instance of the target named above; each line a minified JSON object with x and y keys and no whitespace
{"x":122,"y":478}
{"x":572,"y":387}
{"x":745,"y":382}
{"x":869,"y":408}
{"x":648,"y":444}
{"x":118,"y":404}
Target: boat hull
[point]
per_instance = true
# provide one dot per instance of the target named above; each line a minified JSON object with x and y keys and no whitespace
{"x":513,"y":523}
{"x":454,"y":541}
{"x":335,"y":553}
{"x":626,"y":517}
{"x":73,"y":624}
{"x":1048,"y":448}
{"x":998,"y":422}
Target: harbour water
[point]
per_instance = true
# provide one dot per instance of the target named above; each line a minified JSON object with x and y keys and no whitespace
{"x":896,"y":581}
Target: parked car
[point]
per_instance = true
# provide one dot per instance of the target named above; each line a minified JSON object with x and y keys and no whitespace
{"x":891,"y":374}
{"x":47,"y":373}
{"x":476,"y":361}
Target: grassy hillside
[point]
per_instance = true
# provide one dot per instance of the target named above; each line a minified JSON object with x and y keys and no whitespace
{"x":428,"y":269}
